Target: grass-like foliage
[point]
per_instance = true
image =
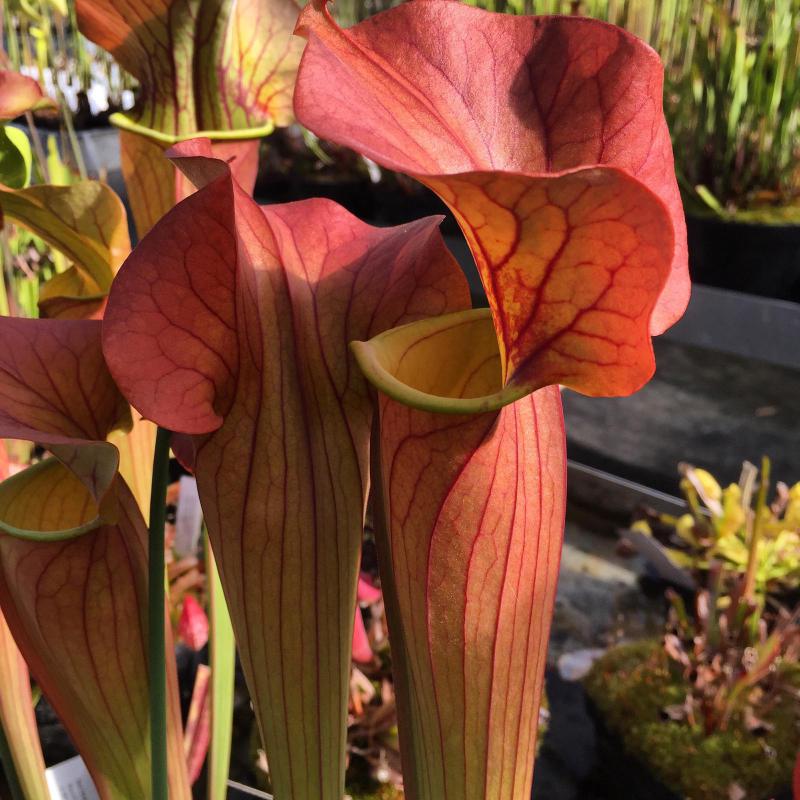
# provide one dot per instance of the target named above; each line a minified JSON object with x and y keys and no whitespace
{"x":732,"y":94}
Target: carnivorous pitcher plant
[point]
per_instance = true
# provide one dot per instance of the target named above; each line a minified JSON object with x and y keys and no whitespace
{"x":73,"y":553}
{"x":232,"y":323}
{"x":305,"y":358}
{"x":546,"y":138}
{"x":213,"y":68}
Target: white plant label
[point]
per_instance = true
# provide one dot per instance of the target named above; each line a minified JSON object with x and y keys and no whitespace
{"x":70,"y":780}
{"x":188,"y":518}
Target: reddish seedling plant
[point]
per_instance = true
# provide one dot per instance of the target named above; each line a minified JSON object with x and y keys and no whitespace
{"x":193,"y":624}
{"x":729,"y":654}
{"x":362,"y":649}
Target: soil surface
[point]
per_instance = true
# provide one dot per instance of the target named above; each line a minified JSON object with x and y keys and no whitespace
{"x":711,"y":409}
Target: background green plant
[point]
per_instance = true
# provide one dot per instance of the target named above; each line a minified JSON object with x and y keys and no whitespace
{"x":742,"y":526}
{"x":42,"y":36}
{"x":632,"y":685}
{"x":732,"y":94}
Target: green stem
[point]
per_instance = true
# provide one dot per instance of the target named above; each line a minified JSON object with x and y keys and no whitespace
{"x":75,"y":145}
{"x":401,"y":668}
{"x":9,"y":768}
{"x":755,"y":537}
{"x":38,"y":149}
{"x":5,"y":271}
{"x":223,"y":676}
{"x":156,"y":614}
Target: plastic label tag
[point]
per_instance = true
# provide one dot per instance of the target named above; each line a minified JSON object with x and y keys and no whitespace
{"x":188,"y":518}
{"x":70,"y":780}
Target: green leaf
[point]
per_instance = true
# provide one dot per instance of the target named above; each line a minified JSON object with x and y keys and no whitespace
{"x":85,"y":221}
{"x":57,"y":170}
{"x":20,"y":750}
{"x":15,"y":157}
{"x":708,"y":198}
{"x":59,"y":6}
{"x":223,"y":666}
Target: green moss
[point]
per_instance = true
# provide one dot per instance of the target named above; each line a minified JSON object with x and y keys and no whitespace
{"x":770,"y":215}
{"x":757,"y":216}
{"x":631,"y":685}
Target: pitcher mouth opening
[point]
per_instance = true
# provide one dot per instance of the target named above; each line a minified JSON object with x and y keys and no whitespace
{"x":23,"y":514}
{"x":449,"y":364}
{"x":121,"y":120}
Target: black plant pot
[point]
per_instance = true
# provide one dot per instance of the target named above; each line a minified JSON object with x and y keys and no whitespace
{"x":619,"y":774}
{"x":745,"y":257}
{"x":396,"y":204}
{"x":353,"y":192}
